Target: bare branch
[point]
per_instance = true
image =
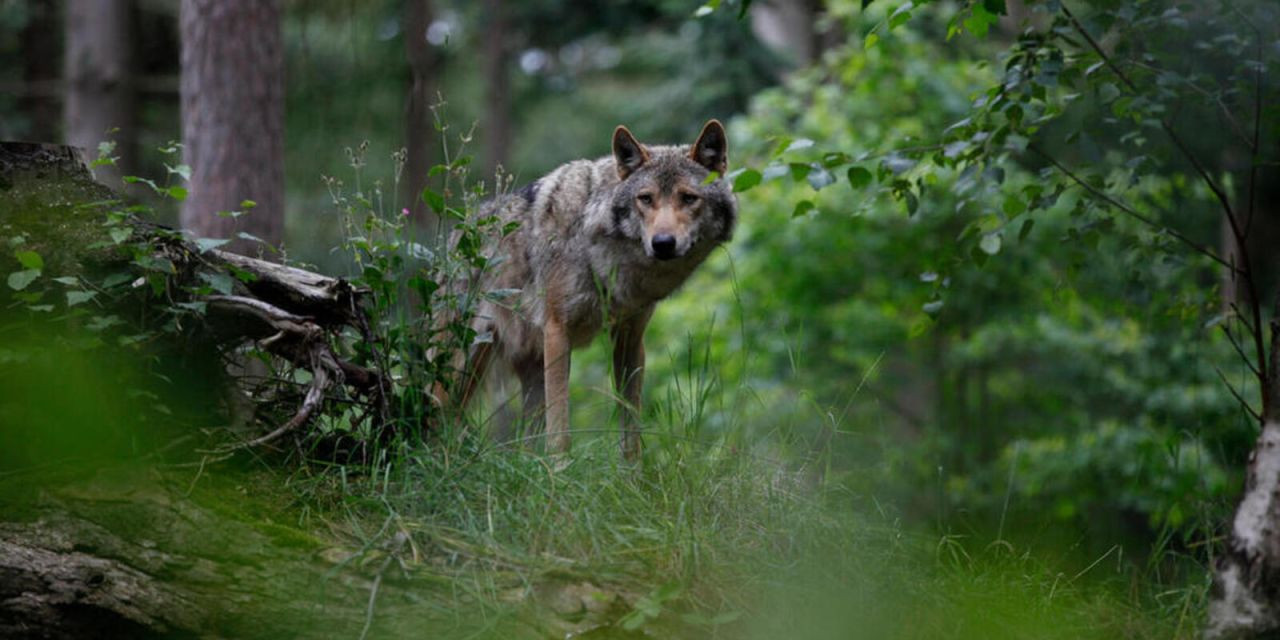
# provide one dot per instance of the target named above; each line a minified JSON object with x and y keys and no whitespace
{"x":1240,"y":350}
{"x":1236,"y":394}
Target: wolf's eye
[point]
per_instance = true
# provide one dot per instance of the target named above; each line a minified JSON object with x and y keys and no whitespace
{"x":645,"y":198}
{"x":688,"y":199}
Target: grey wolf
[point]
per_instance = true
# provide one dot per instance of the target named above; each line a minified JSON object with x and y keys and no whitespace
{"x":598,"y":244}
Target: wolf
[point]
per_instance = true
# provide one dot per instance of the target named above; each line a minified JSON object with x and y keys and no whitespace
{"x":597,"y":245}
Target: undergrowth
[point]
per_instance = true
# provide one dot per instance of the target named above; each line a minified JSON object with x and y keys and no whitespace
{"x":727,"y":527}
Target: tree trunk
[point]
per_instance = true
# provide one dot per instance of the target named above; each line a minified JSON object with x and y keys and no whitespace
{"x":233,"y":119}
{"x":790,"y":27}
{"x":419,"y":129}
{"x":1246,"y":586}
{"x":99,"y":94}
{"x":497,"y":73}
{"x":39,"y":102}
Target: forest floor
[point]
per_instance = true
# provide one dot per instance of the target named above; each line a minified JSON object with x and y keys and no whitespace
{"x":496,"y":543}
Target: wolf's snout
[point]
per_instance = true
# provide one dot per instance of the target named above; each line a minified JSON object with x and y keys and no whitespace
{"x":664,"y":246}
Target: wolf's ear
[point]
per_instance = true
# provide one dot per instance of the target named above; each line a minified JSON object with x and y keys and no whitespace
{"x":712,"y":148}
{"x":628,"y":154}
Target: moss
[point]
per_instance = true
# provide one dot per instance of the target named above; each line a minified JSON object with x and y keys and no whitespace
{"x":60,"y":218}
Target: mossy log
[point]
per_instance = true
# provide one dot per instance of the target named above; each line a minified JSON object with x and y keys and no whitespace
{"x":45,"y":193}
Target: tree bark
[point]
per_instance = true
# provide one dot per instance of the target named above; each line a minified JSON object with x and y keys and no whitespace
{"x":419,"y":129}
{"x":233,"y":119}
{"x":1245,"y":601}
{"x":497,"y":73}
{"x":97,"y":71}
{"x":39,"y":44}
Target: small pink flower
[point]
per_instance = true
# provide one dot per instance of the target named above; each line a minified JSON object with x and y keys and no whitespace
{"x":405,"y":212}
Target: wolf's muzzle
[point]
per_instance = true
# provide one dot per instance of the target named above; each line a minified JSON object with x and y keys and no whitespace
{"x":664,"y":246}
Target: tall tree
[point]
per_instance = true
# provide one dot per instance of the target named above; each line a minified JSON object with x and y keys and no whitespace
{"x":233,"y":118}
{"x":418,"y":122}
{"x":39,"y":43}
{"x":497,"y":73}
{"x":99,"y":94}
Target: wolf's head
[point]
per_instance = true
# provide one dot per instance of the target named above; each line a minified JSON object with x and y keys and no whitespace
{"x":664,"y":199}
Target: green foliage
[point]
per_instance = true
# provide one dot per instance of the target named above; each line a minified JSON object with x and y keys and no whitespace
{"x":971,"y":298}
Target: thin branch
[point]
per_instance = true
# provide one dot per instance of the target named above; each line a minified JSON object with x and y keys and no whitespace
{"x":1098,"y":193}
{"x":1240,"y":350}
{"x":1236,"y":395}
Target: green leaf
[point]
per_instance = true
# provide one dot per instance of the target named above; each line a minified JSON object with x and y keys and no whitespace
{"x":913,"y":203}
{"x":798,"y":144}
{"x":980,"y":21}
{"x":29,"y":260}
{"x":79,"y":297}
{"x":802,"y":207}
{"x":799,"y":170}
{"x":1013,"y":205}
{"x":99,"y":323}
{"x":182,"y":170}
{"x":220,"y":282}
{"x":775,"y":171}
{"x":859,"y":178}
{"x":746,"y":180}
{"x":116,"y":279}
{"x":206,"y":244}
{"x":120,"y":234}
{"x":932,"y":308}
{"x":198,"y":307}
{"x":70,"y":281}
{"x":177,"y":193}
{"x":247,"y":204}
{"x":433,"y":200}
{"x":1026,"y":228}
{"x":996,"y":7}
{"x":900,"y":16}
{"x":1108,"y":92}
{"x":820,"y":178}
{"x":990,"y":244}
{"x":18,"y":280}
{"x":870,"y":41}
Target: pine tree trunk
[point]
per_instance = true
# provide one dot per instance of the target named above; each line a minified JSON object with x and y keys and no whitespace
{"x":99,"y":95}
{"x":497,"y":73}
{"x":233,"y":118}
{"x":39,"y":102}
{"x":419,"y":130}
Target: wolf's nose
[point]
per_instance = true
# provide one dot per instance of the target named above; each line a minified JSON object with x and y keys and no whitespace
{"x":664,"y":246}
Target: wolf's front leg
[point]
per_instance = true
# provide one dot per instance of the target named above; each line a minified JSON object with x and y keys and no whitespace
{"x":628,"y":378}
{"x":555,"y":359}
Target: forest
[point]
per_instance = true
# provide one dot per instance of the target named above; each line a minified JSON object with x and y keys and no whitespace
{"x":988,"y":346}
